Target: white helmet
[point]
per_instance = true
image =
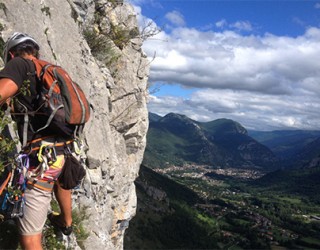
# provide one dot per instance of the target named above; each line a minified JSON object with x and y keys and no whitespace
{"x":13,"y":41}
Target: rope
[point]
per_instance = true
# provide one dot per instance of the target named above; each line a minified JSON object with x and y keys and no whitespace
{"x":4,"y":184}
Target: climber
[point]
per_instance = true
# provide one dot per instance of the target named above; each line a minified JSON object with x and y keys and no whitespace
{"x":19,"y":82}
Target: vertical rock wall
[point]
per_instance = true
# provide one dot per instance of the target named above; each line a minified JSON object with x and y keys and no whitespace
{"x":113,"y":72}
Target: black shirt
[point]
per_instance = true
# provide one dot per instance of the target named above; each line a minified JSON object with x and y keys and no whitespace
{"x":22,"y":72}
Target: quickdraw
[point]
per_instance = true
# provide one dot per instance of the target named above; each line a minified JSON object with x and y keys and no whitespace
{"x":46,"y":156}
{"x":13,"y":201}
{"x":47,"y":153}
{"x":78,"y":146}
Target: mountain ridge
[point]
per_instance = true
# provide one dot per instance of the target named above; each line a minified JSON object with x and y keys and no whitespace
{"x":291,"y":148}
{"x":295,"y":148}
{"x":175,"y":138}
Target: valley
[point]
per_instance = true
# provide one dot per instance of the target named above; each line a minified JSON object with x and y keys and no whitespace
{"x":225,"y":212}
{"x":202,"y":172}
{"x":255,"y":218}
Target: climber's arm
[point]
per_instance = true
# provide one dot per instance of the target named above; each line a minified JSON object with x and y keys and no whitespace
{"x":7,"y":89}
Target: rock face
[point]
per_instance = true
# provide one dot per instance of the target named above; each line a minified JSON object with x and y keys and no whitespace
{"x":98,"y":43}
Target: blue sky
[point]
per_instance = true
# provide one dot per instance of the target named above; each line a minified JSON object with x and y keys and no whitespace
{"x":256,"y":62}
{"x":277,"y":17}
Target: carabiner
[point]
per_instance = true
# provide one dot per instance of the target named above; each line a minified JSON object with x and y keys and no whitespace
{"x":77,"y":145}
{"x":52,"y":156}
{"x":44,"y":150}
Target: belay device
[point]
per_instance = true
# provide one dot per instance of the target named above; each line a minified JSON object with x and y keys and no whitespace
{"x":13,"y":187}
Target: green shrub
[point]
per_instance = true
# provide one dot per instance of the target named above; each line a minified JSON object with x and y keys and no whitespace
{"x":121,"y":36}
{"x":81,"y":234}
{"x":101,"y":47}
{"x":78,"y":216}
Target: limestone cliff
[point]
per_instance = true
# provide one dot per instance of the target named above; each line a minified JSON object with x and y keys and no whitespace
{"x":98,"y":43}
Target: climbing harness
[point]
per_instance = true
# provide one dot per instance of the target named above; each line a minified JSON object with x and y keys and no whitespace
{"x":50,"y":158}
{"x":49,"y":155}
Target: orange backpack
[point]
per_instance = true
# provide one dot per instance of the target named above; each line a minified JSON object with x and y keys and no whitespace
{"x":59,"y":96}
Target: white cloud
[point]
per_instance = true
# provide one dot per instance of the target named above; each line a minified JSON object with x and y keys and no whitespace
{"x":176,"y":18}
{"x":239,"y":25}
{"x":263,"y":82}
{"x":260,"y":112}
{"x":242,"y":25}
{"x":317,"y":5}
{"x":227,"y":60}
{"x":153,"y":3}
{"x":222,"y":23}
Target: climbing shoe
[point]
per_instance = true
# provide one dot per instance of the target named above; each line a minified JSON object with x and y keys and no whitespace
{"x":55,"y":221}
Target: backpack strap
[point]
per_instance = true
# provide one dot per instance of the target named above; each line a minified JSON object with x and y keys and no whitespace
{"x":25,"y":125}
{"x":50,"y":118}
{"x":25,"y":129}
{"x":26,"y":113}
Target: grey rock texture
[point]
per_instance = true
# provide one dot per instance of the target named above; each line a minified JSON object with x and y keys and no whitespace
{"x":113,"y":72}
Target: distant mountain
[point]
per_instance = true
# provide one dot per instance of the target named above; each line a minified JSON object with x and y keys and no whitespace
{"x":308,"y":156}
{"x":303,"y":182}
{"x":175,"y":139}
{"x":154,"y":117}
{"x":285,"y":143}
{"x":296,"y":148}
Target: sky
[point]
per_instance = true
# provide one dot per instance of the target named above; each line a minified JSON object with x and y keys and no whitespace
{"x":255,"y":62}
